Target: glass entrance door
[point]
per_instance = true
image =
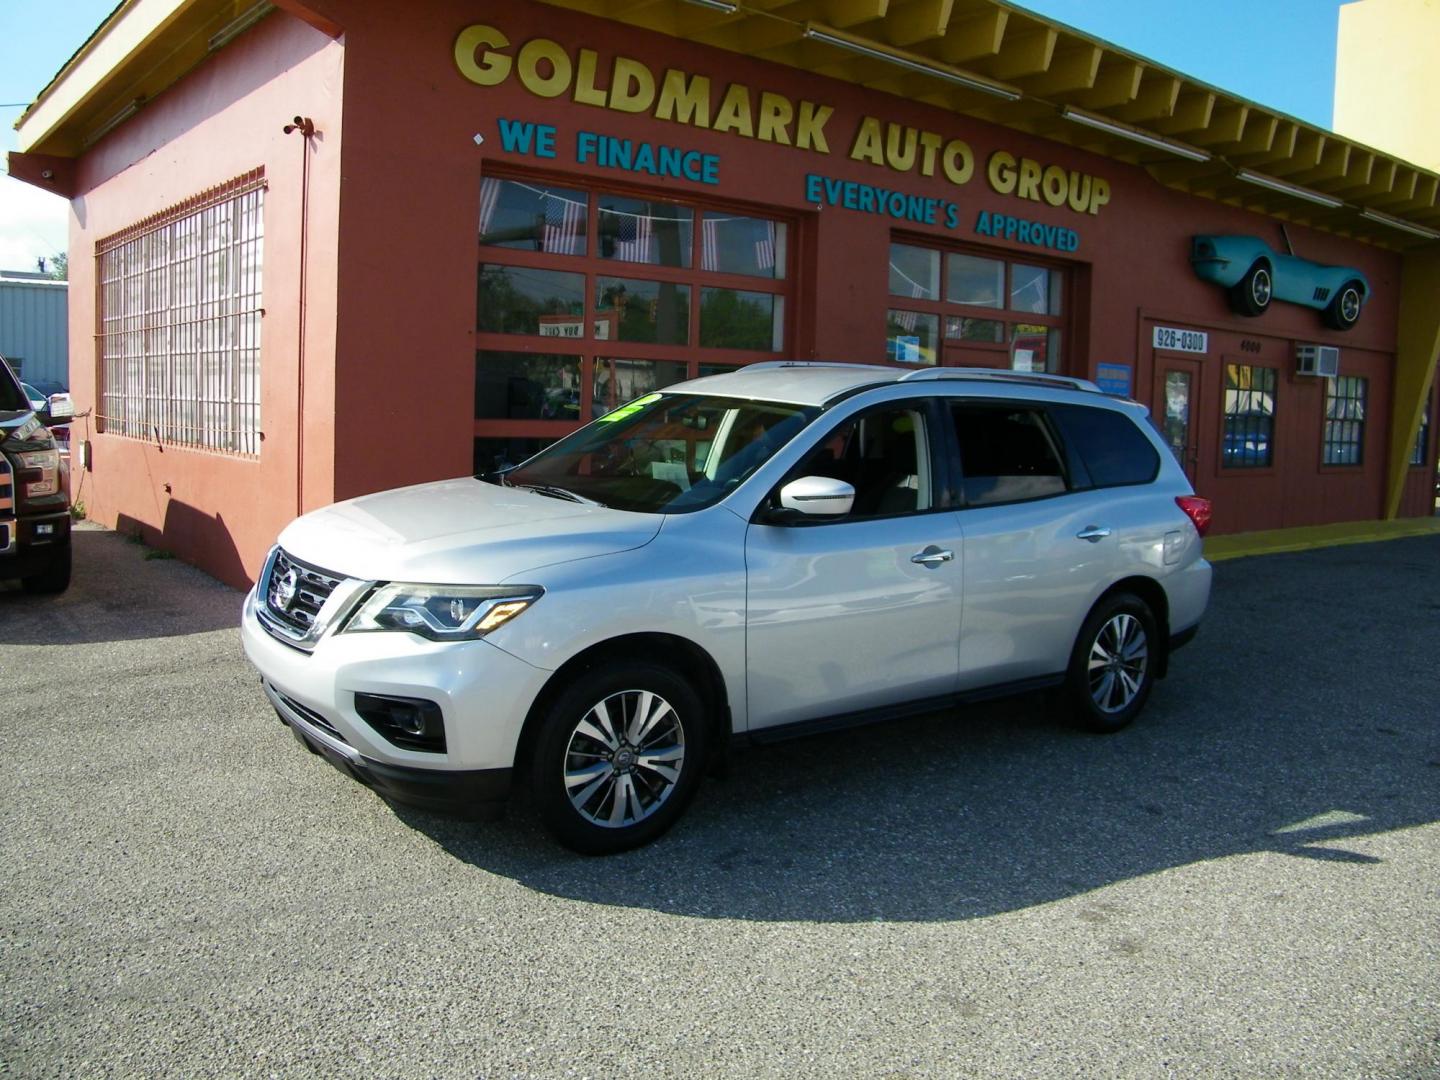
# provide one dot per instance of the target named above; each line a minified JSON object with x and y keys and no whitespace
{"x":1177,"y":388}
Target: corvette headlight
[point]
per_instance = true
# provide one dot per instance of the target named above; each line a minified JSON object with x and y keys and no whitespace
{"x":442,"y":612}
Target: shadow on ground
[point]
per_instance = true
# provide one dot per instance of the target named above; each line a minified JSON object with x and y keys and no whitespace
{"x":1300,"y":719}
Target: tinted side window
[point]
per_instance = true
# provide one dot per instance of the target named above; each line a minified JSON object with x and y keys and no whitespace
{"x":1006,"y":454}
{"x":1114,"y":450}
{"x":884,"y":454}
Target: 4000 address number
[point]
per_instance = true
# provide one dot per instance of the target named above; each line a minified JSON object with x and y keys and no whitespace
{"x":1193,"y":341}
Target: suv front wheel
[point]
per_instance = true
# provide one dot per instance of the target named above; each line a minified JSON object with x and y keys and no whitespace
{"x":1112,"y":667}
{"x":619,"y":756}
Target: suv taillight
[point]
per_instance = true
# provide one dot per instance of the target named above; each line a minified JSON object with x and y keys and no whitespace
{"x":1197,"y":510}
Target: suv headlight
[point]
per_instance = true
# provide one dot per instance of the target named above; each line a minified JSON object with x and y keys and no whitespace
{"x":47,"y":464}
{"x":442,"y":612}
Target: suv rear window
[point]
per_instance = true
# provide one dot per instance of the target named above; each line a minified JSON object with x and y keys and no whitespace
{"x":12,"y":398}
{"x":1006,"y":454}
{"x":1114,"y":450}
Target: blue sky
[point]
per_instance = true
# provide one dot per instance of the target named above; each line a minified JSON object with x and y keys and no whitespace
{"x":1280,"y":53}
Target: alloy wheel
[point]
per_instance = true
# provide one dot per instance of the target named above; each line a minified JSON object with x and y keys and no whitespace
{"x":624,"y":758}
{"x":1118,"y":658}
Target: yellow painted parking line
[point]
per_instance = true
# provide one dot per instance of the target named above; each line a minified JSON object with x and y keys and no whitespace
{"x":1306,"y":538}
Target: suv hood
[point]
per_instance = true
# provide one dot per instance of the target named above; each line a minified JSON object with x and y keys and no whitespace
{"x":460,"y":532}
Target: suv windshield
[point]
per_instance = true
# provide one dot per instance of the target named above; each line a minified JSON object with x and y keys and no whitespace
{"x":12,"y":398}
{"x":664,"y":453}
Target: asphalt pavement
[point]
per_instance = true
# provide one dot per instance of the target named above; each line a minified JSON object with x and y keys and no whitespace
{"x":1246,"y":883}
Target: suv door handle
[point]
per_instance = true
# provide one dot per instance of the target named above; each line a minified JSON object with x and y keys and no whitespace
{"x":1093,"y":533}
{"x":932,"y":556}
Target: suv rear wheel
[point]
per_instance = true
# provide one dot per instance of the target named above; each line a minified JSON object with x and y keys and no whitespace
{"x":1112,"y":667}
{"x":619,"y":756}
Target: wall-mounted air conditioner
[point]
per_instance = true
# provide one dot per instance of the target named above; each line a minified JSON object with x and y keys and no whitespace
{"x":1317,"y":360}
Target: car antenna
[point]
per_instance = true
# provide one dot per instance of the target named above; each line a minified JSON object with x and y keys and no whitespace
{"x":1289,"y":247}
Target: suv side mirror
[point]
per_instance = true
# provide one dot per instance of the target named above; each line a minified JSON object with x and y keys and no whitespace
{"x":59,"y":409}
{"x":818,"y":496}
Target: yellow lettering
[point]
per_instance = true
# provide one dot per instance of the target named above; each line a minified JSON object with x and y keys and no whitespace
{"x":632,"y":87}
{"x":1100,"y":195}
{"x":957,"y":161}
{"x":532,"y":54}
{"x":867,"y":145}
{"x":1053,"y":185}
{"x":586,"y":92}
{"x":734,"y":114}
{"x":902,"y":160}
{"x":1079,"y":191}
{"x":929,"y":146}
{"x":1001,"y":172}
{"x":685,"y":103}
{"x":491,"y":69}
{"x":810,"y":129}
{"x":776,"y":112}
{"x":1029,"y":187}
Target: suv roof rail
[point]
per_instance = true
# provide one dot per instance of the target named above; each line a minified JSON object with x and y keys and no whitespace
{"x":1001,"y":375}
{"x":768,"y":364}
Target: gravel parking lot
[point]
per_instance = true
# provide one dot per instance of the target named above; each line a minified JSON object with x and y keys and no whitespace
{"x":1246,"y":883}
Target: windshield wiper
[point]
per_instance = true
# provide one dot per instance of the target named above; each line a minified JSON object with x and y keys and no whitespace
{"x":558,"y":493}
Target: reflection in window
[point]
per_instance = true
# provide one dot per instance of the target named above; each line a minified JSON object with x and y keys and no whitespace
{"x":533,"y":217}
{"x":731,"y":319}
{"x":1249,"y":417}
{"x":730,"y":244}
{"x":963,"y":328}
{"x":1006,"y":455}
{"x":655,"y":312}
{"x":639,"y":231}
{"x":975,"y":281}
{"x":914,"y":272}
{"x":524,"y":300}
{"x":526,"y":386}
{"x":619,"y":381}
{"x":493,"y":454}
{"x":911,"y":337}
{"x":1034,"y":347}
{"x":1034,"y":289}
{"x":1345,"y":420}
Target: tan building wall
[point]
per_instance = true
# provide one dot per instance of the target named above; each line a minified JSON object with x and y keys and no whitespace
{"x":1387,"y":79}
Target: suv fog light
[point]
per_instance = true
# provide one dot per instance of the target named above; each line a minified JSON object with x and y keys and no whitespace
{"x":409,"y":723}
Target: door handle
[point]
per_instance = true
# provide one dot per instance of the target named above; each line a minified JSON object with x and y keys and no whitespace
{"x":932,"y":556}
{"x":1093,"y":533}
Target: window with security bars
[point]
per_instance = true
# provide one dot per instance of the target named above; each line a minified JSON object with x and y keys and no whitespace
{"x":1344,"y":420}
{"x":179,"y":322}
{"x":1248,"y":441}
{"x":1422,"y":439}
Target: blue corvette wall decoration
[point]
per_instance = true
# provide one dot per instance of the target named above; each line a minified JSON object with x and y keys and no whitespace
{"x":1254,"y":274}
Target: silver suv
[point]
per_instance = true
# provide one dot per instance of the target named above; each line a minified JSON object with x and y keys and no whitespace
{"x":742,"y":557}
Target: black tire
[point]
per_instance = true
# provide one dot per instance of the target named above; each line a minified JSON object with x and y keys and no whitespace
{"x":55,"y":578}
{"x":1344,"y":309}
{"x":643,"y":790}
{"x":1251,"y":295}
{"x":1112,"y":667}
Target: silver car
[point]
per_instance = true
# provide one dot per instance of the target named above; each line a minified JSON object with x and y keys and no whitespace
{"x":743,"y":557}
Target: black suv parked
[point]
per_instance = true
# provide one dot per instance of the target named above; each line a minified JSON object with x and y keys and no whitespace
{"x":34,"y":507}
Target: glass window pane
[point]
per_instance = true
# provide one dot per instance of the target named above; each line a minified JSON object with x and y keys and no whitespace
{"x":1034,"y":289}
{"x":524,"y":300}
{"x":1249,"y":416}
{"x":650,"y":311}
{"x":914,"y":272}
{"x":619,"y":381}
{"x":731,"y":244}
{"x":1035,"y":347}
{"x":975,"y":281}
{"x":1345,"y":421}
{"x":533,"y":217}
{"x":639,"y":231}
{"x":731,"y":319}
{"x":911,"y":337}
{"x":964,"y":328}
{"x":526,"y":386}
{"x":492,"y":454}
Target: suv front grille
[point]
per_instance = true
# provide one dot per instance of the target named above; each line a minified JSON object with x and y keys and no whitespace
{"x":295,"y":592}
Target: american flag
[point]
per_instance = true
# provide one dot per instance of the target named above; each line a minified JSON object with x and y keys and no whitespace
{"x":908,"y":319}
{"x":489,"y":200}
{"x":564,"y":223}
{"x":632,"y":237}
{"x":710,"y":244}
{"x":765,"y":249}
